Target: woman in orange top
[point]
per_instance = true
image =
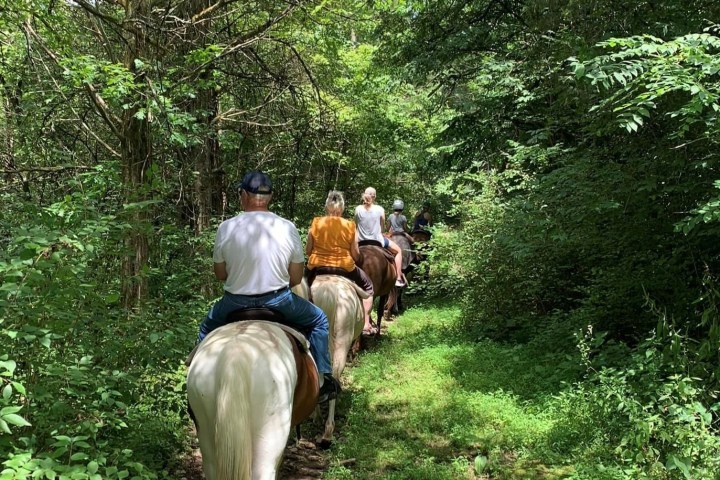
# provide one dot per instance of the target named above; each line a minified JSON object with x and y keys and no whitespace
{"x":332,"y":249}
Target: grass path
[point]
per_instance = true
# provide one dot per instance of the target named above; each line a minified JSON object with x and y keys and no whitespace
{"x":428,"y":403}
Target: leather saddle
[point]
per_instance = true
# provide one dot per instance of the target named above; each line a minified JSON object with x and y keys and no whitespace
{"x":374,"y":243}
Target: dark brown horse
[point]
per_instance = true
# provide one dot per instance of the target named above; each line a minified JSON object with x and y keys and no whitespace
{"x":380,"y":268}
{"x":409,"y":261}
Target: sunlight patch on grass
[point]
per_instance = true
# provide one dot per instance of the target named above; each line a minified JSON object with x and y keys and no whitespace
{"x":425,"y":402}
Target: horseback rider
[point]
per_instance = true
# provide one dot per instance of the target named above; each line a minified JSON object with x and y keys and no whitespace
{"x":332,"y":249}
{"x":370,"y":220}
{"x":397,"y":222}
{"x":259,"y":257}
{"x":423,"y":218}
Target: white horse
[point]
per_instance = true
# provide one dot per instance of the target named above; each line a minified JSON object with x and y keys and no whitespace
{"x":340,"y":299}
{"x":242,"y":383}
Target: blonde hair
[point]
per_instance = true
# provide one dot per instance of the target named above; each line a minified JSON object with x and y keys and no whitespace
{"x":369,"y":196}
{"x":335,"y":202}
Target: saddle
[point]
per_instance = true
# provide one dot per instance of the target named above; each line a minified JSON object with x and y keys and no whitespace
{"x":374,"y":243}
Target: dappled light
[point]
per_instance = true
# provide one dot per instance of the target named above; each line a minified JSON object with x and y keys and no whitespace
{"x":558,"y":167}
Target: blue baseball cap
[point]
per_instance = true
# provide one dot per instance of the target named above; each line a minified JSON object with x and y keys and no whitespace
{"x":256,"y":182}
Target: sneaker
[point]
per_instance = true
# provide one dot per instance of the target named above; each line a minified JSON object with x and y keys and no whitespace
{"x":330,"y":389}
{"x":400,"y":283}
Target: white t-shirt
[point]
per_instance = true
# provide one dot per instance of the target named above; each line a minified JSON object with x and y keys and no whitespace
{"x":257,"y":248}
{"x":368,"y":222}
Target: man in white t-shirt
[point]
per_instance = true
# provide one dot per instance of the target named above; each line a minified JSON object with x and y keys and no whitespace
{"x":259,"y":256}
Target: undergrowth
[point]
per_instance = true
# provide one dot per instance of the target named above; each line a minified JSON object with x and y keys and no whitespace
{"x":433,"y":400}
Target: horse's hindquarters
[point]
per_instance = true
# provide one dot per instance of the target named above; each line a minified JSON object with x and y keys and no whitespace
{"x":338,"y":298}
{"x":240,"y":388}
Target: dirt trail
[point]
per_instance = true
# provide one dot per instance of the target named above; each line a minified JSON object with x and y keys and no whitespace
{"x":302,"y":461}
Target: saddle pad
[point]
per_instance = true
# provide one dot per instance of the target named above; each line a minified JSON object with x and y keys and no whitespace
{"x":307,"y":388}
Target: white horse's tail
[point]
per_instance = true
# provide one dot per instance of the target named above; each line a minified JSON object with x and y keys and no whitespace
{"x":232,"y":428}
{"x":337,"y":297}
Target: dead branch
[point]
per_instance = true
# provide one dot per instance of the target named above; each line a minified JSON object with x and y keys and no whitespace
{"x":46,"y":169}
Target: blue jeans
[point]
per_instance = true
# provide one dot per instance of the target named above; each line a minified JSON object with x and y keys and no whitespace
{"x":296,"y":310}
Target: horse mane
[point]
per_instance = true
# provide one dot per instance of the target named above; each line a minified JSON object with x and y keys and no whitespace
{"x":232,"y":429}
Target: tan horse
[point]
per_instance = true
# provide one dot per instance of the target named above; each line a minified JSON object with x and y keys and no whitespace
{"x":340,"y":299}
{"x":247,"y":385}
{"x":380,"y":268}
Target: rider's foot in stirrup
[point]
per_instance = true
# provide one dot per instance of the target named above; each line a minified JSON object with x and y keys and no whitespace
{"x":330,"y":389}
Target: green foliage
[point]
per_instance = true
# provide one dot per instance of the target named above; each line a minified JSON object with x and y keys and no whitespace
{"x":655,"y":418}
{"x":647,"y":71}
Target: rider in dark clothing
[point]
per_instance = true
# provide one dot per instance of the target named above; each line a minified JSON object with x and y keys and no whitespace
{"x":423,"y":218}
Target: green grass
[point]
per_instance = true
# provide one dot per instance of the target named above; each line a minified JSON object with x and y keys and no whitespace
{"x":426,"y":401}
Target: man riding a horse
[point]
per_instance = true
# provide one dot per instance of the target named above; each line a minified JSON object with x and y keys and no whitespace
{"x":259,"y":257}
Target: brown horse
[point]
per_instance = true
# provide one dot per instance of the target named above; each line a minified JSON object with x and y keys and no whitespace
{"x":409,"y":262}
{"x":380,"y":268}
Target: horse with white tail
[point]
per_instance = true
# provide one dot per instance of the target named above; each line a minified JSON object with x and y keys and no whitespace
{"x":249,"y":382}
{"x":341,"y":300}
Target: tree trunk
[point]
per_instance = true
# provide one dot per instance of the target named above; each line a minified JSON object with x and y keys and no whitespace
{"x":207,"y":187}
{"x":11,"y":111}
{"x":208,"y":182}
{"x":136,"y":160}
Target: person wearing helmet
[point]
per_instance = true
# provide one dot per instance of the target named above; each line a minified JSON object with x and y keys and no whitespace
{"x":370,"y":220}
{"x":397,"y":222}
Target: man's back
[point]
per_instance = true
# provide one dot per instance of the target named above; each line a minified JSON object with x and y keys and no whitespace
{"x":257,"y":248}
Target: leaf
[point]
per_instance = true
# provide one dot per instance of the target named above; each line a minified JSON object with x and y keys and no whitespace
{"x":9,"y":410}
{"x":579,"y":70}
{"x":7,"y":392}
{"x":4,"y":426}
{"x":480,"y":464}
{"x":14,"y":419}
{"x":79,"y":456}
{"x":675,"y":462}
{"x":9,"y":365}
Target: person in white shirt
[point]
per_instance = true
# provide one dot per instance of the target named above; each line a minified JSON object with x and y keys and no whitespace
{"x":259,"y":257}
{"x":370,"y":221}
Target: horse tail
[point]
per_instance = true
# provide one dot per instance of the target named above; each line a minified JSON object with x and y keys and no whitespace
{"x":336,"y":296}
{"x":233,"y":438}
{"x":326,"y":299}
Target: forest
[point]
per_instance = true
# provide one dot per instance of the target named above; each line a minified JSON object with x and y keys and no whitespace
{"x":569,"y":153}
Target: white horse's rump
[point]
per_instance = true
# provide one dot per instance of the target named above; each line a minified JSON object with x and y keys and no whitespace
{"x":338,"y":298}
{"x":240,"y":387}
